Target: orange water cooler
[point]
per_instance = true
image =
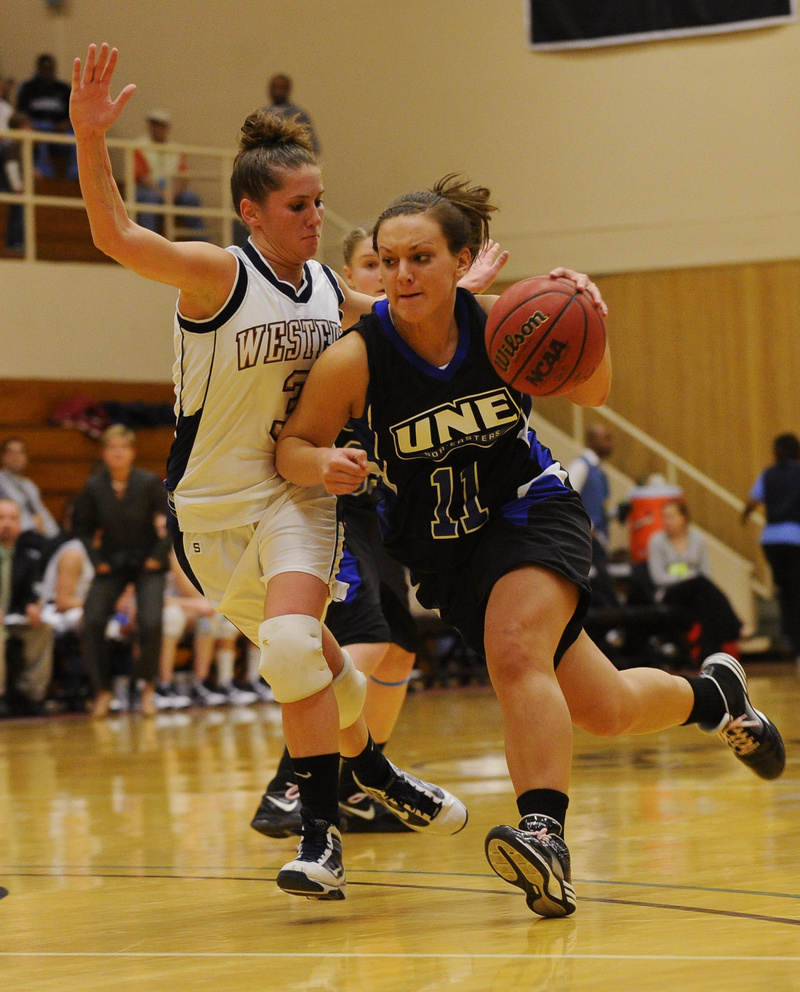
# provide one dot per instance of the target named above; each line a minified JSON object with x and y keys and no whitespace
{"x":645,"y":518}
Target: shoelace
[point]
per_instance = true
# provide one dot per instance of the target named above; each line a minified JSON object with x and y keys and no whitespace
{"x":737,"y":736}
{"x":404,"y":793}
{"x":314,"y":844}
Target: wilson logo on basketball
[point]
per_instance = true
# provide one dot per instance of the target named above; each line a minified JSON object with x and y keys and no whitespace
{"x":513,"y":342}
{"x":539,"y":373}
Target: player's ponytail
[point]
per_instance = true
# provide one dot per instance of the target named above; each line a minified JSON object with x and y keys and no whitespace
{"x":463,"y":212}
{"x":268,"y":145}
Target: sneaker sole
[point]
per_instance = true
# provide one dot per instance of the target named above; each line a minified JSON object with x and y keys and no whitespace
{"x":271,"y":829}
{"x":546,"y":895}
{"x":771,"y":766}
{"x":295,"y":883}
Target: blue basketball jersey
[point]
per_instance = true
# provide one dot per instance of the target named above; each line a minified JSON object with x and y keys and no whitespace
{"x":451,"y":445}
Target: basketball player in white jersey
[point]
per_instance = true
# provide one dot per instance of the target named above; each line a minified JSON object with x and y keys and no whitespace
{"x":249,"y":324}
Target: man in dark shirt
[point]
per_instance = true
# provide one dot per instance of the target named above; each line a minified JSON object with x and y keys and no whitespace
{"x":116,"y":517}
{"x":22,"y":561}
{"x":45,"y":100}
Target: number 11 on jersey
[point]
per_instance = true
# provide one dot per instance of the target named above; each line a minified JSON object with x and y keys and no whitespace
{"x":444,"y":524}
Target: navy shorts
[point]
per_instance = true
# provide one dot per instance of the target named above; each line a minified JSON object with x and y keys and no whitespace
{"x":375,"y":610}
{"x":554,"y":533}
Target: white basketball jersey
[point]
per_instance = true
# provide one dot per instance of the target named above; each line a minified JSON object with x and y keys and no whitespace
{"x":237,"y":378}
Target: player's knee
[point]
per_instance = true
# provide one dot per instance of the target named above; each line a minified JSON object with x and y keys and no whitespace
{"x":350,"y":687}
{"x":292,"y":661}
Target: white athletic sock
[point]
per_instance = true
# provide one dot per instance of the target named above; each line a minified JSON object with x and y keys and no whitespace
{"x":253,"y":661}
{"x":226,"y":658}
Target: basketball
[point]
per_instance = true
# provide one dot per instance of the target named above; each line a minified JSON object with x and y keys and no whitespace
{"x":544,"y":337}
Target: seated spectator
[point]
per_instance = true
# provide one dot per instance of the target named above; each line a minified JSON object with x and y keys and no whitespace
{"x":65,"y":584}
{"x":15,"y":485}
{"x":62,"y":593}
{"x":212,"y":637}
{"x":22,"y":557}
{"x":116,"y":518}
{"x":45,"y":100}
{"x":158,"y":174}
{"x":680,"y":570}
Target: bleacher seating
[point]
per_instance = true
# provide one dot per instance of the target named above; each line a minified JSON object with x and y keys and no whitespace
{"x":62,"y":458}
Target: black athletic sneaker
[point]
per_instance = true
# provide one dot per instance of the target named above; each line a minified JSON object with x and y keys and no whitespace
{"x":317,"y":872}
{"x":535,"y":858}
{"x":361,"y":814}
{"x":752,"y":737}
{"x":420,"y":805}
{"x":278,"y":813}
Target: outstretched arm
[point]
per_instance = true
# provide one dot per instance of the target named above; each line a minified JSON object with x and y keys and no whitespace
{"x":204,"y":273}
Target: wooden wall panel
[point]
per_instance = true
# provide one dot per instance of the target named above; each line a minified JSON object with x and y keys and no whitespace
{"x":706,"y":361}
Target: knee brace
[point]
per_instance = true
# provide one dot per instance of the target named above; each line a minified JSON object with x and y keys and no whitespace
{"x":292,"y":661}
{"x":350,"y":687}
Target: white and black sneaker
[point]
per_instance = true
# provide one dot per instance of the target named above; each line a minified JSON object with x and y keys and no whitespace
{"x":752,"y":737}
{"x":262,"y":690}
{"x":536,"y":859}
{"x":420,"y":805}
{"x":234,"y":696}
{"x":203,"y":696}
{"x":318,"y":871}
{"x":168,"y":697}
{"x":361,"y":814}
{"x":278,"y":813}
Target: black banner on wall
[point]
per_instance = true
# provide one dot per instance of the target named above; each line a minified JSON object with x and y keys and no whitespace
{"x":587,"y":23}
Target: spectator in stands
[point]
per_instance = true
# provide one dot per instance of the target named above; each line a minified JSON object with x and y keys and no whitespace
{"x":116,"y":518}
{"x":279,"y":90}
{"x":778,"y":489}
{"x":590,"y":480}
{"x":22,"y":558}
{"x":11,"y":181}
{"x":67,"y":577}
{"x":680,"y":569}
{"x":159,"y":174}
{"x":6,"y":106}
{"x":45,"y":99}
{"x":62,"y":593}
{"x":213,"y":636}
{"x":14,"y":484}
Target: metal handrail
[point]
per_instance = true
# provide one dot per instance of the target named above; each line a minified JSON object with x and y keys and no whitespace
{"x":222,"y":212}
{"x":674,"y":463}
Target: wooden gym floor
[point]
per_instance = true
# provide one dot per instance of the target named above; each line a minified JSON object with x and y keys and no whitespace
{"x":130,"y":865}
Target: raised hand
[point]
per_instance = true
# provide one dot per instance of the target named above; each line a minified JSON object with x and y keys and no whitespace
{"x":91,"y":109}
{"x":483,"y":271}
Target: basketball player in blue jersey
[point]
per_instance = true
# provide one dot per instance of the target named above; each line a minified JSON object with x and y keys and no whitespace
{"x":249,"y":324}
{"x":494,"y":536}
{"x":373,"y":622}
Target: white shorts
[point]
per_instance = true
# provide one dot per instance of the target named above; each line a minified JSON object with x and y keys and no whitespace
{"x":299,"y":532}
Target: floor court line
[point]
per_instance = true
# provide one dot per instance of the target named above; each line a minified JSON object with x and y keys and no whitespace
{"x":435,"y":956}
{"x":126,"y":871}
{"x":708,"y":911}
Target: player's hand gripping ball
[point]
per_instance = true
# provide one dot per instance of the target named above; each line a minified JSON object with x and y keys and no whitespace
{"x":544,"y":337}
